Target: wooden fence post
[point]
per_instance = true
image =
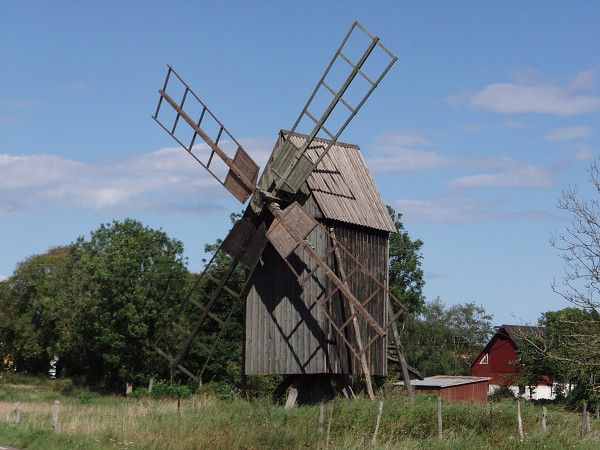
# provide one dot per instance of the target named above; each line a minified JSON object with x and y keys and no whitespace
{"x":544,"y":416}
{"x":320,"y":430}
{"x":584,"y":421}
{"x":55,"y":415}
{"x":329,"y":426}
{"x":379,"y":414}
{"x":439,"y":417}
{"x":521,"y":436}
{"x":15,"y":414}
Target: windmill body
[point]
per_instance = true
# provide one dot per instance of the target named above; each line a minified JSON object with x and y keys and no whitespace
{"x":286,"y":332}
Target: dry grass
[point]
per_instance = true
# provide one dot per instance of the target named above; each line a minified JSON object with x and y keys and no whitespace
{"x":94,"y":422}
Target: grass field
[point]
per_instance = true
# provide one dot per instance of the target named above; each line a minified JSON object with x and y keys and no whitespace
{"x":90,"y":421}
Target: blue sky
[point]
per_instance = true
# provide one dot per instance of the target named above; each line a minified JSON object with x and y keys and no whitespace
{"x":491,"y":110}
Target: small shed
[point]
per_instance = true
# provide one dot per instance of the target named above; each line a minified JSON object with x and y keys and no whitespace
{"x":454,"y":389}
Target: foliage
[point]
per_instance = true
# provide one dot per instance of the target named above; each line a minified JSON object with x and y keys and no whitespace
{"x":96,"y":305}
{"x":406,"y":280}
{"x":571,"y":345}
{"x":565,"y":352}
{"x":444,"y":340}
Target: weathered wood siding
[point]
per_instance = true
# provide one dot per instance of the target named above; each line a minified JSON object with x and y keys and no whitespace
{"x":287,"y":333}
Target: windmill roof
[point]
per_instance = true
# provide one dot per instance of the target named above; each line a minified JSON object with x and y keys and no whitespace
{"x":343,"y":186}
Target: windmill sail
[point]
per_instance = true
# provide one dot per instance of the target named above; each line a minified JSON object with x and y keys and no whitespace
{"x":238,"y":174}
{"x":291,"y":168}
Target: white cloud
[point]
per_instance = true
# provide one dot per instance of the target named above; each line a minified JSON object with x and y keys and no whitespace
{"x":568,"y":133}
{"x":516,"y":177}
{"x":164,"y":180}
{"x":462,"y":209}
{"x":521,"y":97}
{"x":584,"y":153}
{"x":392,"y":152}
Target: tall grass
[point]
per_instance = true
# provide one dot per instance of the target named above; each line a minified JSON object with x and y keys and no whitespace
{"x":197,"y":422}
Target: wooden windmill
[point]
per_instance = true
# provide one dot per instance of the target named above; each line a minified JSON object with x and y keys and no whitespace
{"x":313,"y":240}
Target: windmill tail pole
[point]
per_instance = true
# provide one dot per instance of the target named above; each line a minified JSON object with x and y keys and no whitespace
{"x":400,"y":355}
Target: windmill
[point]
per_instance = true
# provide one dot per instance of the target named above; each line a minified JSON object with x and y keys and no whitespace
{"x":312,"y":242}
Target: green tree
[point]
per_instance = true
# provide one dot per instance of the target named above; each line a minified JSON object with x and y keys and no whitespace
{"x":406,"y":280}
{"x":132,"y":276}
{"x":30,"y":310}
{"x":567,"y":351}
{"x":444,"y":341}
{"x":575,"y":335}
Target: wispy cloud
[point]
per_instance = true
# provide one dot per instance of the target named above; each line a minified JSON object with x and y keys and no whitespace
{"x":462,"y":209}
{"x":568,"y":133}
{"x":73,"y":87}
{"x":20,"y":104}
{"x":394,"y":151}
{"x":524,"y":96}
{"x":164,"y":180}
{"x":517,"y":176}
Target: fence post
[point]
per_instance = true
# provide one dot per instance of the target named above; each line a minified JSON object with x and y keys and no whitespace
{"x":583,"y":421}
{"x":379,"y":414}
{"x":320,"y":430}
{"x":439,"y":417}
{"x":544,"y":416}
{"x":329,"y":427}
{"x":55,"y":415}
{"x":520,"y":419}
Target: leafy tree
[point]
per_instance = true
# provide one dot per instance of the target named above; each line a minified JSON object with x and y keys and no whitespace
{"x":444,"y":340}
{"x":405,"y":274}
{"x":132,"y":276}
{"x":30,"y":311}
{"x":572,"y":343}
{"x":563,"y":351}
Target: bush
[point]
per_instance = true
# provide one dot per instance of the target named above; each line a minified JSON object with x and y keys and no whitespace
{"x":218,"y":389}
{"x":502,"y":393}
{"x":164,"y":389}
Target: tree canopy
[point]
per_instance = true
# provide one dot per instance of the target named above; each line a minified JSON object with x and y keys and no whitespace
{"x":406,"y":280}
{"x":444,"y":341}
{"x":95,"y":305}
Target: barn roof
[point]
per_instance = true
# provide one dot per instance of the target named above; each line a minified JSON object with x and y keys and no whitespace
{"x":343,"y":186}
{"x":444,"y":381}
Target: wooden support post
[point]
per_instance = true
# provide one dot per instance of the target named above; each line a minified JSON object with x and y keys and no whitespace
{"x":55,"y":415}
{"x":439,"y":417}
{"x":520,"y":420}
{"x":400,"y":355}
{"x":544,"y":417}
{"x":378,"y":424}
{"x":150,"y":384}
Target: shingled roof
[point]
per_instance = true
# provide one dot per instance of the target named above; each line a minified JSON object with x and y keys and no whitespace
{"x":343,"y":186}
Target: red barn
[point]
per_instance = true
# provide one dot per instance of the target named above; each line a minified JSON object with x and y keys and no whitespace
{"x":498,"y":357}
{"x":454,"y":389}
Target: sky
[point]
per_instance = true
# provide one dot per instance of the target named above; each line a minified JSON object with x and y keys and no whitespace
{"x":490,"y":112}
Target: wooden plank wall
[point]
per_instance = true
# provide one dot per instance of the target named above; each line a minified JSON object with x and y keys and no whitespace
{"x":286,"y":333}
